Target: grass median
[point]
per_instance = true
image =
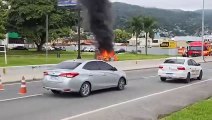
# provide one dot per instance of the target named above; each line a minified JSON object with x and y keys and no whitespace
{"x":32,"y":57}
{"x":199,"y":111}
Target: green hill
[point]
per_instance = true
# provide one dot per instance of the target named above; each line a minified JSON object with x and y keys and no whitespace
{"x":186,"y":22}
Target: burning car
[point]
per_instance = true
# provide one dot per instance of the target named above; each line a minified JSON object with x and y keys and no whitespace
{"x":106,"y":56}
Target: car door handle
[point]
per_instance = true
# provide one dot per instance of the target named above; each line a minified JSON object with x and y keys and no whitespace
{"x":90,"y":75}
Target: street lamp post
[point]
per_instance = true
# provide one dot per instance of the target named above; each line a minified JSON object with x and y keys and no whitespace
{"x":79,"y":35}
{"x":47,"y":35}
{"x":73,"y":5}
{"x":203,"y":30}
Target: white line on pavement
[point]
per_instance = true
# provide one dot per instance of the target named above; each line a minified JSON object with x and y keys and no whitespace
{"x":5,"y":100}
{"x":149,"y":77}
{"x":133,"y":100}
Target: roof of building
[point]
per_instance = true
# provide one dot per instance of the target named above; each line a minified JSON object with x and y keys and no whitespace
{"x":187,"y":38}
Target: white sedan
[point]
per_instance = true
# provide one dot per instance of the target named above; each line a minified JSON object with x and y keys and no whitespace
{"x":180,"y":68}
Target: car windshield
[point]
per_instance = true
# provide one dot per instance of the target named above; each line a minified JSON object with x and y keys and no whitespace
{"x":175,"y":61}
{"x":68,"y":65}
{"x":197,"y":48}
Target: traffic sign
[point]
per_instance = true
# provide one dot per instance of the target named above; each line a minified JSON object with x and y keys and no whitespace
{"x":164,"y":44}
{"x":170,"y":45}
{"x":4,"y":50}
{"x":67,"y":3}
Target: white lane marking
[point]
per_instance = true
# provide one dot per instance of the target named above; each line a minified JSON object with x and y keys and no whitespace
{"x":149,"y":77}
{"x":142,"y":77}
{"x":10,"y":84}
{"x":133,"y":100}
{"x":5,"y":100}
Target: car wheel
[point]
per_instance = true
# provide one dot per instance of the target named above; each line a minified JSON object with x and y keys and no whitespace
{"x":121,"y":84}
{"x":163,"y":79}
{"x":200,"y":75}
{"x":85,"y":89}
{"x":188,"y":79}
{"x":56,"y":92}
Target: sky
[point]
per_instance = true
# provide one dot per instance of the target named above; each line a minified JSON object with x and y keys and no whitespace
{"x":188,"y":5}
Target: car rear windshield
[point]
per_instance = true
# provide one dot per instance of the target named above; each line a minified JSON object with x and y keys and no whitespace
{"x":67,"y":65}
{"x":175,"y":61}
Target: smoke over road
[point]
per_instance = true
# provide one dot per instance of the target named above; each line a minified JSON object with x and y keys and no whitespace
{"x":100,"y":22}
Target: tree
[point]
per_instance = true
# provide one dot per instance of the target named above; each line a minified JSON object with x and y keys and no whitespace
{"x":28,"y":17}
{"x":149,"y":25}
{"x":121,"y":36}
{"x":3,"y":15}
{"x":74,"y":37}
{"x":136,"y":27}
{"x":152,"y":34}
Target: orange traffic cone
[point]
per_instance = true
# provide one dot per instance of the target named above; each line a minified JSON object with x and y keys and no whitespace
{"x":1,"y":85}
{"x":23,"y":89}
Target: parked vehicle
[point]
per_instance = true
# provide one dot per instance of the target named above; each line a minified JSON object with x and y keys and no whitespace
{"x":120,"y":50}
{"x":92,"y":49}
{"x":48,"y":48}
{"x":89,"y":49}
{"x":180,"y":68}
{"x":195,"y":49}
{"x":83,"y":49}
{"x":60,"y":48}
{"x":83,"y":77}
{"x":19,"y":48}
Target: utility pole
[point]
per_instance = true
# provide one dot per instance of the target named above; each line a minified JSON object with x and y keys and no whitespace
{"x":47,"y":35}
{"x":203,"y":28}
{"x":79,"y":35}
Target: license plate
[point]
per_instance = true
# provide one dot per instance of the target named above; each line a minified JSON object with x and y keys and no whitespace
{"x":172,"y":69}
{"x":53,"y":78}
{"x":169,"y":73}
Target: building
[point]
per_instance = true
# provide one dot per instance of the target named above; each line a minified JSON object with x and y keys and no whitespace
{"x":151,"y":42}
{"x":13,"y":39}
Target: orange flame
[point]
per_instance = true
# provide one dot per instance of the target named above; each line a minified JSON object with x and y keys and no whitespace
{"x":107,"y":56}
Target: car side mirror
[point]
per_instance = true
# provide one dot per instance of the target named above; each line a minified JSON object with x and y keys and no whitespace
{"x":113,"y":69}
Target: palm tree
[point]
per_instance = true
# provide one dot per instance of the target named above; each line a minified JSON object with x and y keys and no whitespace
{"x":3,"y":14}
{"x":149,"y":26}
{"x":136,"y":26}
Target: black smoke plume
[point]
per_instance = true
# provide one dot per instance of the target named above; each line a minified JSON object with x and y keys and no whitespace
{"x":99,"y":14}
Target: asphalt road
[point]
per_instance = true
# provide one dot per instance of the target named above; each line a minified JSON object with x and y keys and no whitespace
{"x":39,"y":104}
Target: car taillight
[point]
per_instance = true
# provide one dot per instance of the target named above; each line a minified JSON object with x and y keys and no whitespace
{"x":160,"y":67}
{"x":69,"y":75}
{"x":45,"y":73}
{"x":181,"y":68}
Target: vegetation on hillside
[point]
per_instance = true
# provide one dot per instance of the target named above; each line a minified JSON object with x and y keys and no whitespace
{"x":177,"y":21}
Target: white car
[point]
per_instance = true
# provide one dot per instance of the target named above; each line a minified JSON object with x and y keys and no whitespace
{"x":180,"y":68}
{"x":89,"y":49}
{"x":92,"y":49}
{"x":48,"y":48}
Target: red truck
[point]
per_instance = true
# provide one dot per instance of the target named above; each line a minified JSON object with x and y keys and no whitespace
{"x":195,"y":49}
